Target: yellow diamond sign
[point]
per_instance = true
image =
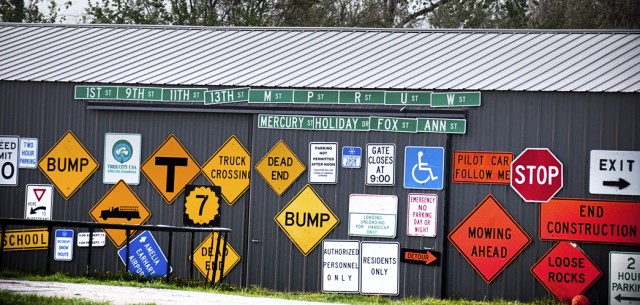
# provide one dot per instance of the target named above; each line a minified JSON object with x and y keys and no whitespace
{"x":230,"y":169}
{"x":280,"y":167}
{"x":68,"y":164}
{"x":170,"y":168}
{"x":307,"y":219}
{"x":204,"y":257}
{"x":120,"y":205}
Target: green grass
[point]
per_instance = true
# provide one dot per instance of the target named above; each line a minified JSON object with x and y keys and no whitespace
{"x":7,"y":297}
{"x":125,"y":279}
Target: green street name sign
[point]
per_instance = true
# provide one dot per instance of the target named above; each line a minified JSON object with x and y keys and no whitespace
{"x":183,"y":95}
{"x":458,"y":126}
{"x":226,"y":96}
{"x":393,"y":124}
{"x":455,"y":99}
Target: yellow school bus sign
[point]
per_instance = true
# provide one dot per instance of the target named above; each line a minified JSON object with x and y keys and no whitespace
{"x":280,"y":167}
{"x":68,"y":164}
{"x":230,"y":169}
{"x":307,"y":220}
{"x":204,"y":257}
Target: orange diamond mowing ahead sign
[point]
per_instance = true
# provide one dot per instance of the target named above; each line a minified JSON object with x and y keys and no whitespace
{"x":229,"y":168}
{"x":68,"y":164}
{"x":280,"y":167}
{"x":204,"y":257}
{"x":170,"y":168}
{"x":120,"y":205}
{"x":489,"y":238}
{"x":307,"y":219}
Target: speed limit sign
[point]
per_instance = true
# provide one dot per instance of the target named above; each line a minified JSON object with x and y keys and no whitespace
{"x":9,"y":160}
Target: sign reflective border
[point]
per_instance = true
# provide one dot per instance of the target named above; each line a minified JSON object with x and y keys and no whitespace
{"x":280,"y":167}
{"x":482,"y":167}
{"x":68,"y":164}
{"x":29,"y":239}
{"x":170,"y":168}
{"x":204,"y":257}
{"x":596,"y":221}
{"x":230,"y":169}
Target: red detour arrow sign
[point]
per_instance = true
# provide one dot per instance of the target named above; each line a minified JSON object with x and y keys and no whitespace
{"x":565,"y":271}
{"x":489,"y":238}
{"x":536,"y":175}
{"x":422,"y":257}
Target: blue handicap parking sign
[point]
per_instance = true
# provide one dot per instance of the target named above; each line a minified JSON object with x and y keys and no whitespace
{"x":423,"y":167}
{"x":145,"y":256}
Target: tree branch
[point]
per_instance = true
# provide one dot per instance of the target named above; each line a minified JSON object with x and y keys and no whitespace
{"x":422,"y":12}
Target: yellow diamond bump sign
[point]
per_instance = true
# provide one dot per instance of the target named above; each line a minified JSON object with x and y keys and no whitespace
{"x":229,"y":168}
{"x":280,"y":167}
{"x":68,"y":164}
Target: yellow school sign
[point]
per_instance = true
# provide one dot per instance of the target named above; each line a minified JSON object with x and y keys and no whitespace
{"x":68,"y":164}
{"x":29,"y":239}
{"x":280,"y":167}
{"x":307,"y":219}
{"x":230,"y":169}
{"x":204,"y":257}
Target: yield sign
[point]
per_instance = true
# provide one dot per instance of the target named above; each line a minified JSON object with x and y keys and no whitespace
{"x":170,"y":168}
{"x":566,"y":271}
{"x":489,"y":238}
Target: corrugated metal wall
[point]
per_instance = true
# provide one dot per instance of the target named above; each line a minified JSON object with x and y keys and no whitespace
{"x":569,"y":124}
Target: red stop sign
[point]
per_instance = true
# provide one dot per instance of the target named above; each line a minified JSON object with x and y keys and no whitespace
{"x":536,"y":175}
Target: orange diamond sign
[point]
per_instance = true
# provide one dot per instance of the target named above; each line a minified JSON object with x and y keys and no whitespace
{"x":204,"y":257}
{"x":307,"y":219}
{"x":120,"y":205}
{"x":68,"y":164}
{"x":230,"y":169}
{"x":489,"y":238}
{"x":170,"y":168}
{"x":280,"y":167}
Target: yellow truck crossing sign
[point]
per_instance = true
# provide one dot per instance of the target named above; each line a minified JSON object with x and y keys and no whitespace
{"x":204,"y":257}
{"x":68,"y":164}
{"x":280,"y":167}
{"x":170,"y":168}
{"x":307,"y":220}
{"x":120,"y":205}
{"x":230,"y":169}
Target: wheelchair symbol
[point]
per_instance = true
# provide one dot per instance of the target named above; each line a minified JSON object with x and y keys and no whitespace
{"x":422,"y":167}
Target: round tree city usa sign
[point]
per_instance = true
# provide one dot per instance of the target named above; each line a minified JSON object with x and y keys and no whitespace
{"x":536,"y":175}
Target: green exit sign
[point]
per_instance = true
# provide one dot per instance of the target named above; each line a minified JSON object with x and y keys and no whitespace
{"x":455,"y":99}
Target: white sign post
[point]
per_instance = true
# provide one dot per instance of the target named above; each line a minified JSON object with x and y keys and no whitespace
{"x":379,"y":268}
{"x":9,"y":160}
{"x":39,"y":199}
{"x":624,"y":268}
{"x":381,"y":159}
{"x":323,"y":163}
{"x":340,"y":266}
{"x":614,"y":172}
{"x":122,"y":158}
{"x":63,"y":245}
{"x":422,"y":211}
{"x":373,"y":215}
{"x":28,"y":157}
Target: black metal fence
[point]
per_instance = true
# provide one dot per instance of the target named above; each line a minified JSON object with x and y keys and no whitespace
{"x":50,"y":224}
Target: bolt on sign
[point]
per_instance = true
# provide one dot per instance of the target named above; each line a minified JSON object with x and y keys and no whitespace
{"x":624,"y":278}
{"x":29,"y":239}
{"x":68,"y":164}
{"x":380,"y":268}
{"x":120,"y":205}
{"x":306,"y":219}
{"x":536,"y":175}
{"x":340,"y":266}
{"x":422,"y":213}
{"x":373,"y":215}
{"x":566,"y":271}
{"x":614,"y":172}
{"x":280,"y":167}
{"x":202,"y":205}
{"x":204,"y":258}
{"x":170,"y":168}
{"x":39,"y":199}
{"x":9,"y":160}
{"x":594,"y":221}
{"x":122,"y":158}
{"x":229,"y":168}
{"x":489,"y":238}
{"x":482,"y":167}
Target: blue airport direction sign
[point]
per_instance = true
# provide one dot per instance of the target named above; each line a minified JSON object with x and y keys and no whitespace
{"x":145,"y":256}
{"x":423,"y":167}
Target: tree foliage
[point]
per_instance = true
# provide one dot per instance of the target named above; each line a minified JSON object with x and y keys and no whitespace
{"x":21,"y":11}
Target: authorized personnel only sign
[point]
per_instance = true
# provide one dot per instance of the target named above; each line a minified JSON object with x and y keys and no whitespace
{"x":381,"y":164}
{"x":340,"y":266}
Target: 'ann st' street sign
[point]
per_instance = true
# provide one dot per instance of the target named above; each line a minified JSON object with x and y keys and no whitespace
{"x":230,"y":169}
{"x":566,"y":271}
{"x":68,"y":164}
{"x":595,"y":221}
{"x":614,"y":172}
{"x":170,"y":168}
{"x":489,"y":238}
{"x":624,"y":278}
{"x":306,"y":220}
